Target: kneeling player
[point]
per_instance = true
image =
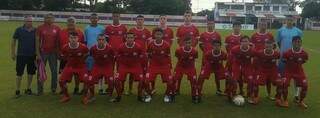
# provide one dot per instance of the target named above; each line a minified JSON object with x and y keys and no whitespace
{"x":242,"y":69}
{"x":267,"y":73}
{"x":130,"y":57}
{"x":294,"y":59}
{"x":186,"y":65}
{"x":103,"y":56}
{"x":74,"y":53}
{"x":160,"y":63}
{"x":213,"y":63}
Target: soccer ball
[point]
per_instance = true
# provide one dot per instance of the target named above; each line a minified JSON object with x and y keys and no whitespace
{"x":239,"y":100}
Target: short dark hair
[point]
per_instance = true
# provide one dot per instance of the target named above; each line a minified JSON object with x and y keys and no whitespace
{"x":158,"y":30}
{"x":73,"y":34}
{"x":236,"y":23}
{"x":94,"y":15}
{"x":269,"y":41}
{"x":116,"y":12}
{"x":188,"y":12}
{"x":140,"y":16}
{"x":187,"y":38}
{"x":244,"y":37}
{"x":48,"y":15}
{"x":216,"y":42}
{"x":128,"y":33}
{"x":162,"y":15}
{"x":296,"y":38}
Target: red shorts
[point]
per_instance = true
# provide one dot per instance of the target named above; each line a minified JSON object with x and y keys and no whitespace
{"x":265,"y":76}
{"x":244,"y":73}
{"x":100,"y":72}
{"x":164,"y":73}
{"x":68,"y":72}
{"x":137,"y":76}
{"x":219,"y":73}
{"x":300,"y":79}
{"x":190,"y":72}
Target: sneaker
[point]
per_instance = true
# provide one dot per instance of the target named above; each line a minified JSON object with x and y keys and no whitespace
{"x":153,"y":92}
{"x":148,"y":99}
{"x":140,"y":99}
{"x":303,"y":105}
{"x":296,"y":99}
{"x":76,"y":91}
{"x":64,"y":99}
{"x":101,"y":92}
{"x":117,"y":99}
{"x":166,"y":99}
{"x":220,"y":93}
{"x":250,"y":101}
{"x":18,"y":94}
{"x":28,"y":92}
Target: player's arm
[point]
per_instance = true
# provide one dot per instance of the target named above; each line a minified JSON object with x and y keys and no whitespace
{"x":37,"y":44}
{"x":278,"y":38}
{"x":13,"y":45}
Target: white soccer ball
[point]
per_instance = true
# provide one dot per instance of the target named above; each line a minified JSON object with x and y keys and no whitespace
{"x":239,"y":100}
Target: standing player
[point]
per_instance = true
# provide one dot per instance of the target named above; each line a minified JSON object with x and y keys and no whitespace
{"x":103,"y":56}
{"x":206,"y":38}
{"x":267,"y":72}
{"x":64,"y":39}
{"x":142,"y":37}
{"x":231,"y":41}
{"x":92,"y":32}
{"x":242,"y":68}
{"x":259,"y":39}
{"x":129,"y":58}
{"x":186,"y":66}
{"x":167,"y":36}
{"x":294,"y":59}
{"x":160,"y":63}
{"x":213,"y":63}
{"x":75,"y":54}
{"x":116,"y":31}
{"x":187,"y":30}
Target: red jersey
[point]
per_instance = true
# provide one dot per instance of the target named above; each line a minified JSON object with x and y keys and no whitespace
{"x":49,"y":38}
{"x":215,"y":60}
{"x":240,"y":57}
{"x":103,"y":57}
{"x":294,"y":60}
{"x":267,"y":61}
{"x":186,"y":58}
{"x":143,"y":36}
{"x":232,"y":41}
{"x":206,"y":39}
{"x":167,"y":35}
{"x":75,"y":57}
{"x":130,"y":57}
{"x":258,"y":39}
{"x":116,"y":34}
{"x":159,"y":55}
{"x":188,"y":30}
{"x":64,"y":37}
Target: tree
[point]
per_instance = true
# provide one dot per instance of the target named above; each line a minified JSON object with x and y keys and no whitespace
{"x":206,"y":12}
{"x":311,"y":9}
{"x":56,"y":5}
{"x":172,"y":7}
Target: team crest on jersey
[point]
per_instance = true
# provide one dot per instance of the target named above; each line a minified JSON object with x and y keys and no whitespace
{"x":162,"y":52}
{"x":134,"y":53}
{"x":79,"y":54}
{"x":54,"y":31}
{"x":299,"y":59}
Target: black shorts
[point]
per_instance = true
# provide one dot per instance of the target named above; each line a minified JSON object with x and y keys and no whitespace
{"x":22,"y":62}
{"x":62,"y":65}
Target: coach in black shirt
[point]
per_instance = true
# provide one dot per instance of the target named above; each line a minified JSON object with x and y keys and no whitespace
{"x":24,"y":54}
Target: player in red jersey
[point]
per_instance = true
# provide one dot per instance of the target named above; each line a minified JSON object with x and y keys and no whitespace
{"x":103,"y":55}
{"x":294,"y":59}
{"x":129,"y":59}
{"x":142,"y":37}
{"x":187,"y":29}
{"x":160,"y":64}
{"x":186,"y":66}
{"x":206,"y":38}
{"x":75,"y":54}
{"x":262,"y":35}
{"x":213,"y":63}
{"x":116,"y":31}
{"x":64,"y":39}
{"x":267,"y":72}
{"x":231,"y":41}
{"x":167,"y":31}
{"x":242,"y":68}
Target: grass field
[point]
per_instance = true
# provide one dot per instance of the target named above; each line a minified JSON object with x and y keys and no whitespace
{"x":213,"y":106}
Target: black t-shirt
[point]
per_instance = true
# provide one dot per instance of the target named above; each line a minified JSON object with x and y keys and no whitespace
{"x":26,"y":41}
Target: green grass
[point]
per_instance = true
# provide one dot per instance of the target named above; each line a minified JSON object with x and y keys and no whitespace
{"x":48,"y":106}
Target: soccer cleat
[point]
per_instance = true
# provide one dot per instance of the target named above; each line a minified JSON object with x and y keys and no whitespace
{"x":296,"y":99}
{"x":166,"y":99}
{"x":303,"y":105}
{"x":64,"y":99}
{"x":140,"y":99}
{"x":153,"y":92}
{"x":147,"y":99}
{"x":76,"y":91}
{"x":220,"y":93}
{"x":117,"y":99}
{"x":85,"y":100}
{"x":250,"y":100}
{"x":40,"y":92}
{"x":17,"y":94}
{"x":285,"y":104}
{"x":271,"y":98}
{"x":172,"y":98}
{"x":28,"y":92}
{"x":278,"y":102}
{"x":101,"y":92}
